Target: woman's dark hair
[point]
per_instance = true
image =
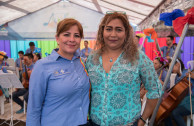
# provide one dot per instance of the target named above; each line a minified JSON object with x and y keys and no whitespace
{"x":181,"y":63}
{"x":158,"y":58}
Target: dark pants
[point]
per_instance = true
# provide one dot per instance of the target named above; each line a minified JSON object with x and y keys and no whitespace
{"x":17,"y":94}
{"x":20,"y":76}
{"x":90,"y":123}
{"x":26,"y":96}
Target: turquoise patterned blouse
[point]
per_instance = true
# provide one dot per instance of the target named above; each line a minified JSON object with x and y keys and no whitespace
{"x":115,"y":96}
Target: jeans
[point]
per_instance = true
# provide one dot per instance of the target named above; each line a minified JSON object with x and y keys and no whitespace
{"x":26,"y":96}
{"x":177,"y":114}
{"x":90,"y":123}
{"x":16,"y":94}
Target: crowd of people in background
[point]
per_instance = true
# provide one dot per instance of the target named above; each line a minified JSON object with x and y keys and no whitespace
{"x":108,"y":78}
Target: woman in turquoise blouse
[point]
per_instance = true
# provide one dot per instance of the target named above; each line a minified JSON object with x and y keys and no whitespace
{"x":116,"y":70}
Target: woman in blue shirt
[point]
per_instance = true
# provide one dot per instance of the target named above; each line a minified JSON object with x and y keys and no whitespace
{"x":116,"y":70}
{"x":158,"y":64}
{"x":59,"y":85}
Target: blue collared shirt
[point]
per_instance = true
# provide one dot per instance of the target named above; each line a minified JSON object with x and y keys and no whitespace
{"x":162,"y":74}
{"x":82,"y":53}
{"x":172,"y":51}
{"x":29,"y":50}
{"x":4,"y":63}
{"x":29,"y":67}
{"x":17,"y":62}
{"x":58,"y":92}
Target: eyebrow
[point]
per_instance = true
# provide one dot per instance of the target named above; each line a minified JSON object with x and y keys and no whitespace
{"x":116,"y":27}
{"x":70,"y":33}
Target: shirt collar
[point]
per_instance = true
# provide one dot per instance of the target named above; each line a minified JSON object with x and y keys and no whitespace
{"x":56,"y":56}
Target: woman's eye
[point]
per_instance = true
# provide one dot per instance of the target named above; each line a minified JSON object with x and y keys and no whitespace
{"x":119,"y":30}
{"x":77,"y":36}
{"x":66,"y":35}
{"x":108,"y":29}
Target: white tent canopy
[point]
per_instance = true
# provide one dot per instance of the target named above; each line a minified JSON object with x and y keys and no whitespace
{"x":137,"y":10}
{"x":14,"y":9}
{"x":26,"y":19}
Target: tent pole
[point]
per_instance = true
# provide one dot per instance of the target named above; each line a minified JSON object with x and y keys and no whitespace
{"x":178,"y":48}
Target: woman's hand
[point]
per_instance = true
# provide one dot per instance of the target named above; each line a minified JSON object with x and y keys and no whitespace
{"x":192,"y":75}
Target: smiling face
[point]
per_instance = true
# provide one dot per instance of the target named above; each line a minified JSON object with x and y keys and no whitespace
{"x":27,"y":60}
{"x":114,"y":34}
{"x":69,"y":41}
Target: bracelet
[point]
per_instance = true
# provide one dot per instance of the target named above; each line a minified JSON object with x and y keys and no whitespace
{"x":142,"y":119}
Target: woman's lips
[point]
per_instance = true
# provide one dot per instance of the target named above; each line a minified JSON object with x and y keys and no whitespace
{"x":71,"y":46}
{"x":112,"y":40}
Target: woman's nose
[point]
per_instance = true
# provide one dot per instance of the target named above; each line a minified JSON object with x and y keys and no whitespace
{"x":72,"y":38}
{"x":113,"y":33}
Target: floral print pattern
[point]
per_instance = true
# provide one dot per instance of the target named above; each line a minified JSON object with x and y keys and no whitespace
{"x":115,"y":97}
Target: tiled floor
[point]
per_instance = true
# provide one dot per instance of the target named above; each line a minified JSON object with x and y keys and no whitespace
{"x":7,"y":114}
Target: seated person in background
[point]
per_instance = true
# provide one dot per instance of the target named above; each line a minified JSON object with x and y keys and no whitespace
{"x":178,"y":69}
{"x":183,"y":108}
{"x":19,"y":63}
{"x":3,"y":58}
{"x":28,"y":62}
{"x":32,"y":48}
{"x":85,"y":52}
{"x":137,"y":43}
{"x":159,"y":67}
{"x":3,"y":70}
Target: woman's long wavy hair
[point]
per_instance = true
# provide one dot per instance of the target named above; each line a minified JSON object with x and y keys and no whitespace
{"x":130,"y":49}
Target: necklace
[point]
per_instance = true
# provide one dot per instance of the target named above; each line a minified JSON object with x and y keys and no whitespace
{"x":111,"y":58}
